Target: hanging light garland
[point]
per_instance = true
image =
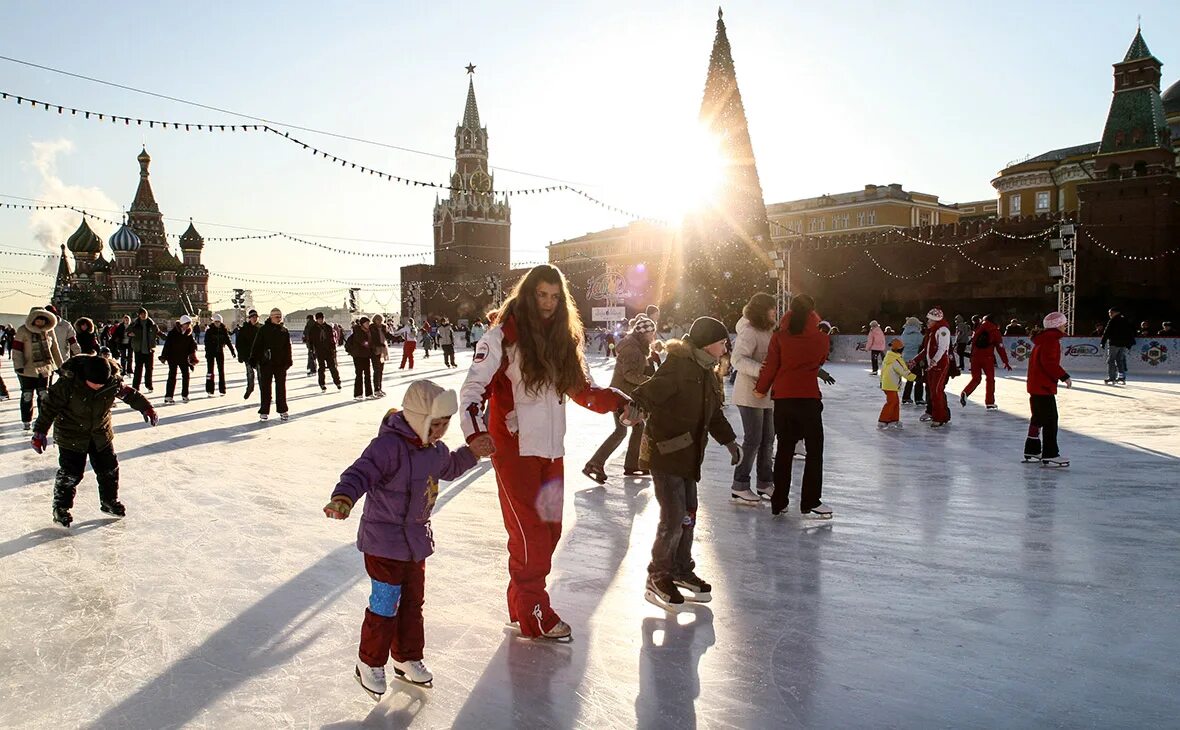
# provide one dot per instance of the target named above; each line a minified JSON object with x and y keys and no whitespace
{"x":1126,"y":256}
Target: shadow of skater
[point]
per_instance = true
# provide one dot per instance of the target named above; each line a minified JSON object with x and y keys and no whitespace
{"x":396,"y":710}
{"x":49,"y":534}
{"x":669,"y":676}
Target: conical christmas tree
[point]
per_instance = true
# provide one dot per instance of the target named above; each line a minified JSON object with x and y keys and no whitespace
{"x":726,"y":241}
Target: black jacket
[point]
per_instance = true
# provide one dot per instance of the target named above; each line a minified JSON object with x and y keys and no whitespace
{"x":216,"y":338}
{"x":324,"y":341}
{"x":684,"y":402}
{"x":88,"y":341}
{"x":180,"y":347}
{"x":79,"y":414}
{"x":357,"y":343}
{"x":1119,"y":332}
{"x":272,"y":347}
{"x":247,"y":333}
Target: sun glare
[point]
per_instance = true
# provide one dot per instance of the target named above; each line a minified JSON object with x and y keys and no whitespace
{"x":687,"y":173}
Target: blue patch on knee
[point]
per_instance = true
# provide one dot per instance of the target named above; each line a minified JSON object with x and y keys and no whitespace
{"x":689,"y":520}
{"x":384,"y":599}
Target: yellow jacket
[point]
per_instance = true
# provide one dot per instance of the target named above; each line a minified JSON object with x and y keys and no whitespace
{"x":893,"y":371}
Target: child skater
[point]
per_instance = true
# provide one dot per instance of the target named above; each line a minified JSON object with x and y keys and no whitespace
{"x":1044,"y":372}
{"x":684,"y":400}
{"x":893,"y":372}
{"x":400,"y":471}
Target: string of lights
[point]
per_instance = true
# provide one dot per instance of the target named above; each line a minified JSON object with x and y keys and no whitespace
{"x":895,"y":275}
{"x":1126,"y":256}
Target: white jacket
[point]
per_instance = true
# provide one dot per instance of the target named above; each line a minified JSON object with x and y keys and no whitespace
{"x":535,"y":420}
{"x":408,"y":332}
{"x":67,"y":339}
{"x":749,"y":352}
{"x":942,"y":344}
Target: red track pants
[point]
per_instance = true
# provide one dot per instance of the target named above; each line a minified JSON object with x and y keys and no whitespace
{"x":408,"y":354}
{"x":531,"y":497}
{"x":936,"y":396}
{"x":401,"y":635}
{"x":983,"y":364}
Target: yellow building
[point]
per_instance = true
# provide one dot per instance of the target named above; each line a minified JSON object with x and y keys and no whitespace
{"x":1045,"y":184}
{"x":875,"y":207}
{"x":978,"y":209}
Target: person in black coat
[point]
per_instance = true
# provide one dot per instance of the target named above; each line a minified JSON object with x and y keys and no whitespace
{"x":180,"y":353}
{"x":358,"y":346}
{"x":216,"y":340}
{"x":324,"y":344}
{"x":310,"y":333}
{"x":1117,"y":338}
{"x":247,"y":333}
{"x":271,"y":354}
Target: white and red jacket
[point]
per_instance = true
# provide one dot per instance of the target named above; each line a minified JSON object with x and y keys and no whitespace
{"x":531,"y":423}
{"x":938,"y":344}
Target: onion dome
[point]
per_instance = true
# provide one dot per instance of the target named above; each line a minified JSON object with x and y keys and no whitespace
{"x":84,"y":240}
{"x":1171,"y":99}
{"x":144,"y":158}
{"x":190,"y":240}
{"x":125,"y":239}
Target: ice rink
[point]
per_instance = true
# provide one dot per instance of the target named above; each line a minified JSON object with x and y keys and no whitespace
{"x":956,"y":587}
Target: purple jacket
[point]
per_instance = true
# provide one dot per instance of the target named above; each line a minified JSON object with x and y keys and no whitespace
{"x":401,"y":477}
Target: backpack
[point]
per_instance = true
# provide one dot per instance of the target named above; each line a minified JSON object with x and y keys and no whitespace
{"x":350,"y":344}
{"x":982,"y":340}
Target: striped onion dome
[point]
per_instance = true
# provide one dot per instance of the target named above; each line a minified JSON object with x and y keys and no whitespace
{"x":84,"y":240}
{"x":125,"y":239}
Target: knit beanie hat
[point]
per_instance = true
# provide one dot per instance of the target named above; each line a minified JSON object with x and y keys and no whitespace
{"x":425,"y":401}
{"x":185,"y":319}
{"x":1054,"y":320}
{"x":914,"y":321}
{"x":96,"y":369}
{"x":897,"y":345}
{"x":934,"y":314}
{"x":643,"y":324}
{"x":706,"y":330}
{"x":217,"y":318}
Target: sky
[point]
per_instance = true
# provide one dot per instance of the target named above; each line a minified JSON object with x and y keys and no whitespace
{"x":602,"y":95}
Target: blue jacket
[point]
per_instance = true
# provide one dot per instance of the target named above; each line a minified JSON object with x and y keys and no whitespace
{"x":911,"y":337}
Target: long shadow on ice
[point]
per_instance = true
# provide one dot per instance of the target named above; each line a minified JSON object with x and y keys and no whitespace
{"x":49,"y":534}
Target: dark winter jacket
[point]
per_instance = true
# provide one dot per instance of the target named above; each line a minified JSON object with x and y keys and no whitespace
{"x":272,"y":347}
{"x":216,"y":338}
{"x":324,"y":341}
{"x":180,"y":347}
{"x":87,"y":338}
{"x":400,"y":477}
{"x":683,"y":401}
{"x":310,"y":331}
{"x":78,"y":413}
{"x":1119,"y":332}
{"x":1044,"y":363}
{"x":144,"y":334}
{"x":792,"y":364}
{"x":121,"y":331}
{"x":631,"y":364}
{"x":357,"y":343}
{"x":247,"y":333}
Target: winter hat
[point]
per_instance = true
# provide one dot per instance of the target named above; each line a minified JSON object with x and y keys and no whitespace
{"x":934,"y":314}
{"x":252,"y":313}
{"x":874,"y":323}
{"x":96,"y":369}
{"x":217,"y":318}
{"x":896,"y":345}
{"x":185,"y":319}
{"x":1054,"y":320}
{"x":425,"y":401}
{"x":706,"y":330}
{"x":275,"y":311}
{"x":914,"y":321}
{"x":643,"y":325}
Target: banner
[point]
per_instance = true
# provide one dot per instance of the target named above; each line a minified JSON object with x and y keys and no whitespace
{"x":608,"y":315}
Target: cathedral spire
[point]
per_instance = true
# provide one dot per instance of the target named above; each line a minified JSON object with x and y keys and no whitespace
{"x":145,"y":200}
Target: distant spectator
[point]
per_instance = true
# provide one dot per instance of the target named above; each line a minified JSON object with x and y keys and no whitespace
{"x":1167,"y":331}
{"x":1015,"y":329}
{"x":1144,"y":329}
{"x":1117,"y":338}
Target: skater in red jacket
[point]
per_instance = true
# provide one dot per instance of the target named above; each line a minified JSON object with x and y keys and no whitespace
{"x":985,"y":343}
{"x":524,"y":369}
{"x":936,"y":352}
{"x":1044,"y":372}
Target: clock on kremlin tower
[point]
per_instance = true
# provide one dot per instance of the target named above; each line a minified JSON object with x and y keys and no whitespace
{"x":472,"y":232}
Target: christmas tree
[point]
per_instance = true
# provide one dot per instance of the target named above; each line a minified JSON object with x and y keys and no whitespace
{"x":726,"y":241}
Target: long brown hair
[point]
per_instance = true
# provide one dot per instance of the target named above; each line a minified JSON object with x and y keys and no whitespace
{"x":802,"y":306}
{"x":550,"y":352}
{"x":756,"y":309}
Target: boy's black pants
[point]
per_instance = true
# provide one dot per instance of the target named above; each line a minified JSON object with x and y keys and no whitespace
{"x":71,"y":464}
{"x":1042,"y":427}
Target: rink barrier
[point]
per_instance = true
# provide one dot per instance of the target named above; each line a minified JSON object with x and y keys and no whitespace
{"x":1155,"y":355}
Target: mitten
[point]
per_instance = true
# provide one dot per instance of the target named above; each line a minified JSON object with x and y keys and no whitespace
{"x":338,"y":508}
{"x":40,"y":442}
{"x":149,"y":416}
{"x":735,"y":453}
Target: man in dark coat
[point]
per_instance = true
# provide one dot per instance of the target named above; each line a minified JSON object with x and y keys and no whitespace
{"x":144,"y":334}
{"x":271,"y":354}
{"x":324,"y":344}
{"x":310,"y":332}
{"x":216,"y":340}
{"x":683,"y":403}
{"x":247,"y":333}
{"x":78,"y":406}
{"x":180,"y":354}
{"x":1117,"y":338}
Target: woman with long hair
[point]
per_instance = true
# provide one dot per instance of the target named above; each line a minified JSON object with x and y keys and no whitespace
{"x":797,"y":350}
{"x":525,"y":367}
{"x":754,"y":331}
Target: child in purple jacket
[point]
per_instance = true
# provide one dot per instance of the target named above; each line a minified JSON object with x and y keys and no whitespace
{"x":400,"y":471}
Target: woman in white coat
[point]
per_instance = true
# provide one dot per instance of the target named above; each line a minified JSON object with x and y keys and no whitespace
{"x":753,"y":342}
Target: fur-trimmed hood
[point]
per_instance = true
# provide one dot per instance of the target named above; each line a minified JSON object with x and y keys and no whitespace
{"x":37,"y":312}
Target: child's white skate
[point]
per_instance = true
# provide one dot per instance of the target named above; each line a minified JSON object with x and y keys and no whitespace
{"x":561,"y":633}
{"x":1057,"y":462}
{"x":413,"y":672}
{"x":371,"y":679}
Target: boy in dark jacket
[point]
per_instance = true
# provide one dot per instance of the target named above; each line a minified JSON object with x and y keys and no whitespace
{"x":179,"y":353}
{"x":684,"y":400}
{"x":1044,"y":372}
{"x":400,"y":471}
{"x":216,"y":340}
{"x":79,"y":408}
{"x":245,"y":337}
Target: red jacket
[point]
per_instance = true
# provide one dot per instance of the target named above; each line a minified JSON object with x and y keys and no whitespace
{"x":792,"y":364}
{"x":1044,"y":364}
{"x":994,"y":340}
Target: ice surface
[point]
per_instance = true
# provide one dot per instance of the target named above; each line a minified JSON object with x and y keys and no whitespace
{"x":955,"y":587}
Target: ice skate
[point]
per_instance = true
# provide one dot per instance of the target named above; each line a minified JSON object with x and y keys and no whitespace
{"x":323,"y":389}
{"x":262,"y":416}
{"x":962,"y":399}
{"x":1056,"y":462}
{"x":907,"y":402}
{"x":765,"y":490}
{"x":896,"y":425}
{"x":940,"y":424}
{"x":184,"y":399}
{"x":169,"y":401}
{"x":247,"y":395}
{"x":744,"y":496}
{"x":1032,"y":459}
{"x":595,"y":472}
{"x":919,"y":402}
{"x":358,"y":398}
{"x":1122,"y":380}
{"x":993,"y":407}
{"x":663,"y":593}
{"x":113,"y":507}
{"x":881,"y":425}
{"x":371,"y":679}
{"x":818,"y":512}
{"x":62,"y":516}
{"x":414,"y":672}
{"x":702,"y":592}
{"x":561,"y":633}
{"x":1107,"y":381}
{"x":925,"y":417}
{"x":27,"y":425}
{"x":3,"y":396}
{"x":284,"y":417}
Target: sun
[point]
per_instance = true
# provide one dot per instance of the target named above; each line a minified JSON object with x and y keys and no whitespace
{"x":685,"y":175}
